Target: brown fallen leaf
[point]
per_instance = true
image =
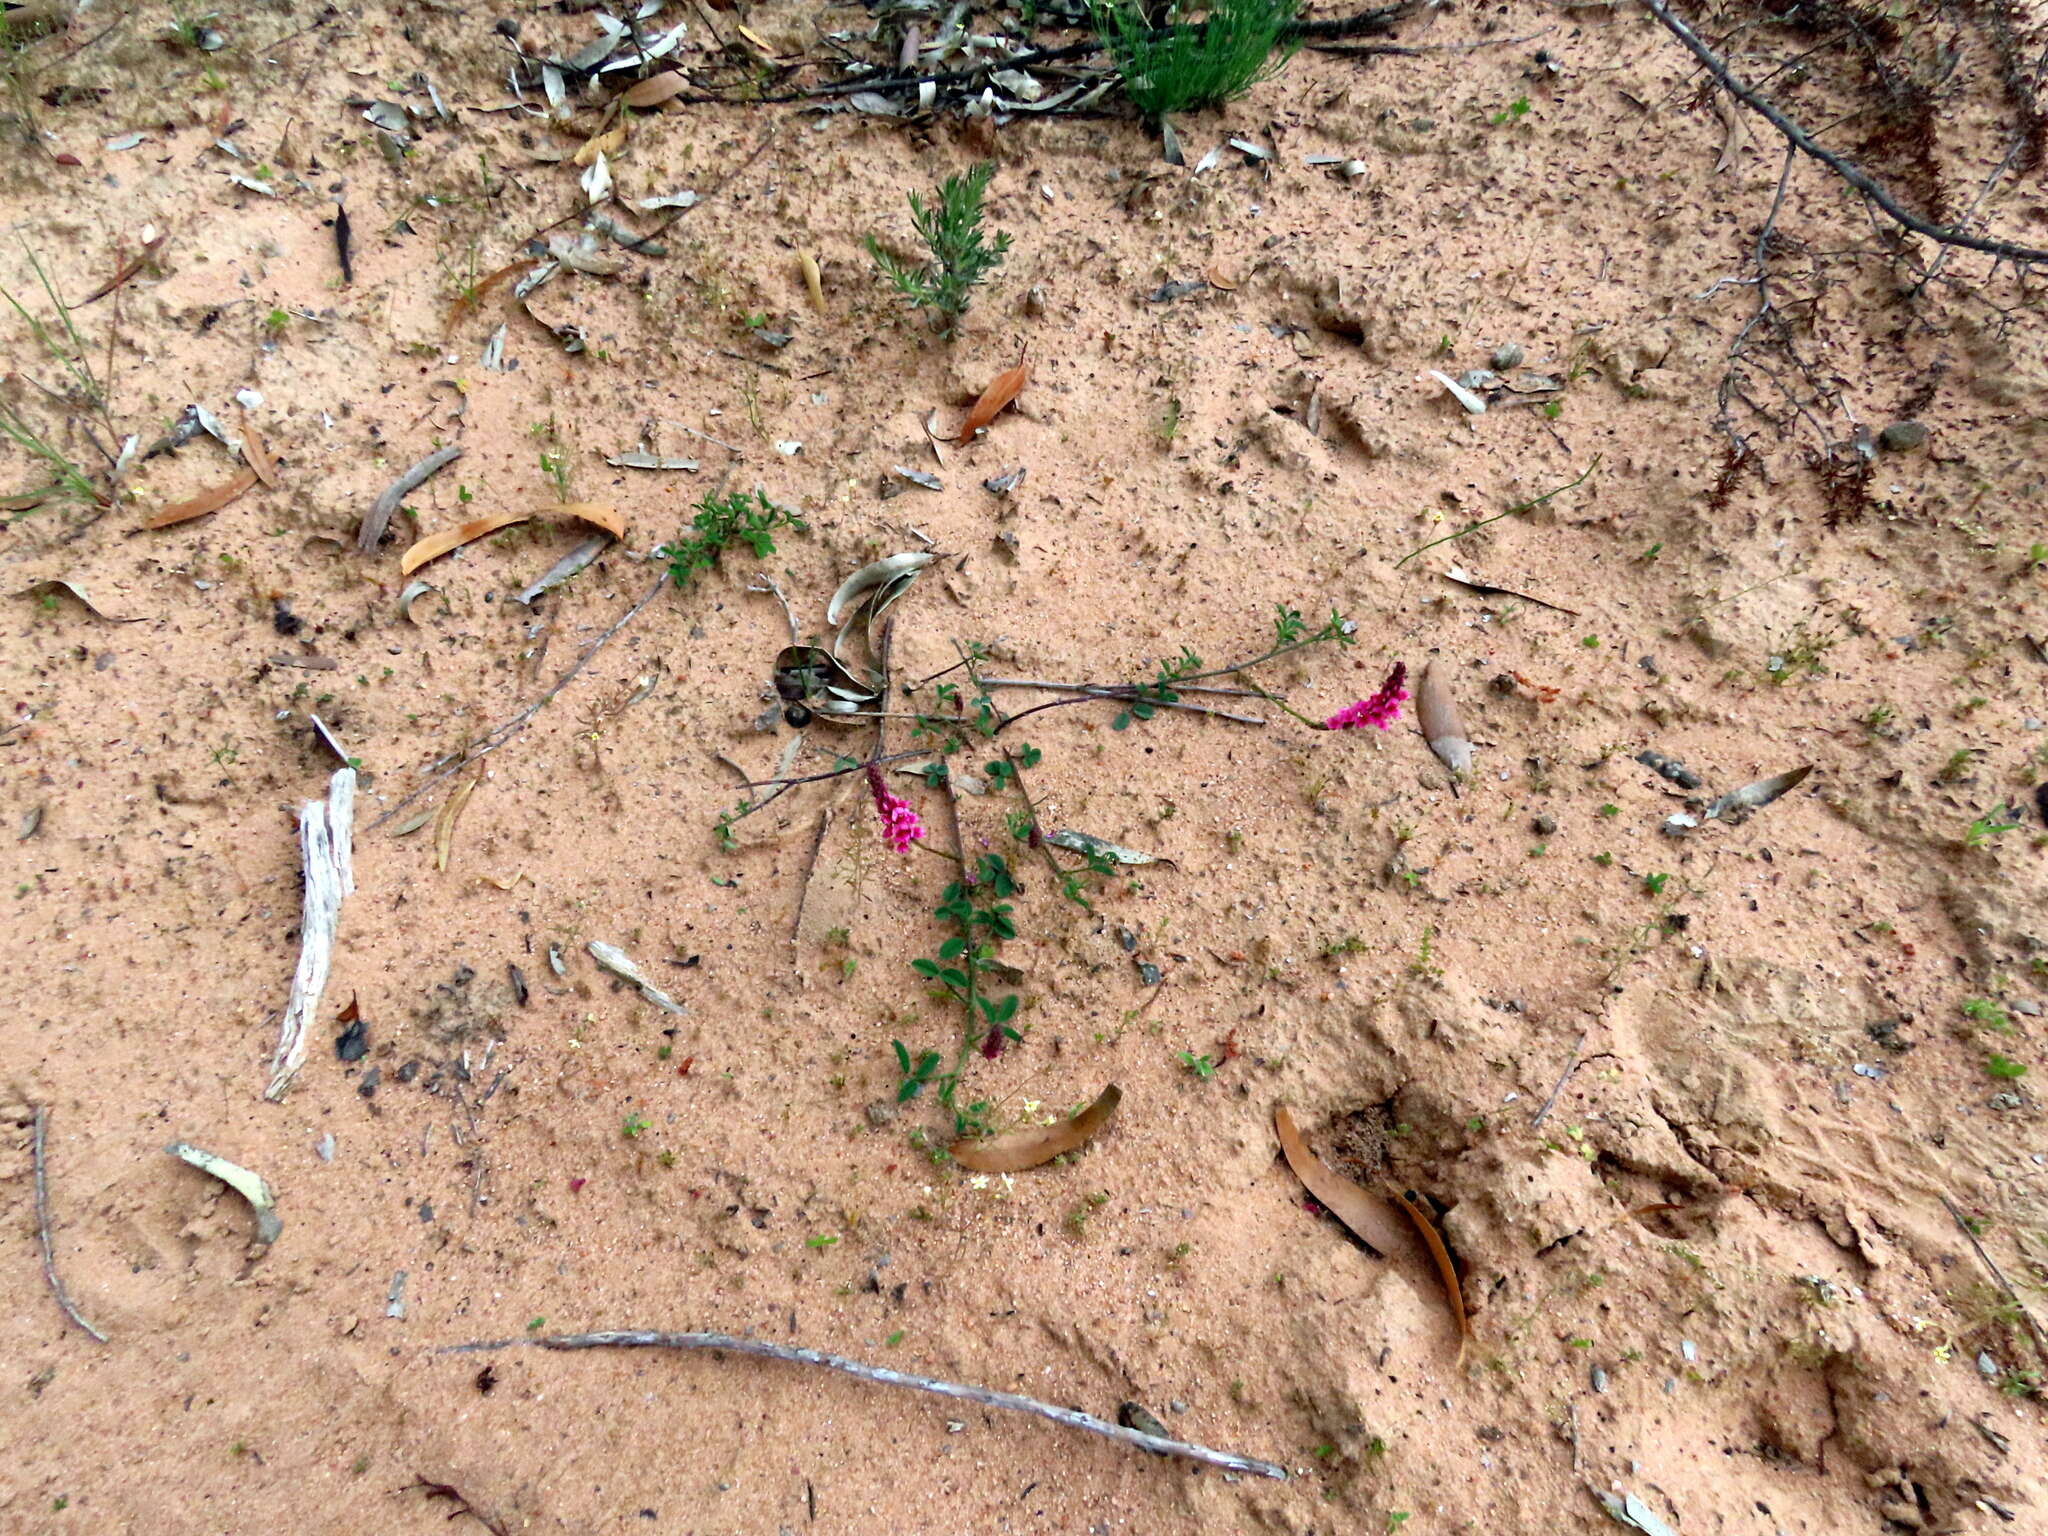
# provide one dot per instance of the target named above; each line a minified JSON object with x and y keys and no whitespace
{"x":451,"y":812}
{"x":1364,"y":1212}
{"x":1411,"y":1202}
{"x":474,"y":296}
{"x":1005,"y":387}
{"x":436,"y":545}
{"x":203,"y":503}
{"x":814,"y":280}
{"x":597,"y":144}
{"x":1437,"y":713}
{"x":1019,"y":1150}
{"x":258,"y":456}
{"x":655,"y":89}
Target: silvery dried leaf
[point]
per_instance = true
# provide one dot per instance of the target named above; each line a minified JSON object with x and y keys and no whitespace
{"x":1169,"y":144}
{"x":535,"y":278}
{"x":1737,"y":803}
{"x":1081,"y":842}
{"x":571,"y":563}
{"x":1002,"y":485}
{"x":1631,"y":1511}
{"x":579,"y":252}
{"x":918,"y":477}
{"x":873,"y":103}
{"x":667,"y":200}
{"x":330,"y":741}
{"x":38,"y":588}
{"x":621,"y":965}
{"x":1247,"y":147}
{"x":551,"y":87}
{"x":1209,"y":162}
{"x":868,"y":577}
{"x":597,"y":180}
{"x":1024,"y":87}
{"x":389,"y":116}
{"x":250,"y":1186}
{"x":809,"y":671}
{"x":251,"y":184}
{"x":414,"y":590}
{"x":1460,"y":393}
{"x":493,"y":356}
{"x":640,"y":458}
{"x":125,"y":141}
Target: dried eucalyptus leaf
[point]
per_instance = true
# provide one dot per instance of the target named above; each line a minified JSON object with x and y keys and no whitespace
{"x":250,"y":1186}
{"x":919,"y":477}
{"x":1460,"y":393}
{"x":1081,"y":842}
{"x":868,"y":577}
{"x":1737,"y":803}
{"x":40,"y":588}
{"x":620,"y":964}
{"x":414,"y":591}
{"x":640,"y":458}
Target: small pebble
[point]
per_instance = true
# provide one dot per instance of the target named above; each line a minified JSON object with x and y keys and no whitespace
{"x":1546,"y":824}
{"x":1690,"y":1350}
{"x":880,"y":1113}
{"x":1599,"y":1379}
{"x":1505,"y":356}
{"x":1902,"y":436}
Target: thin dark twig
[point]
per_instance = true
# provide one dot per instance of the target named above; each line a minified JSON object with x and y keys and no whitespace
{"x":2005,"y":1285}
{"x":1850,"y":172}
{"x":1571,"y":1065}
{"x":830,"y":773}
{"x":504,"y":732}
{"x":43,"y":1227}
{"x":883,"y":1376}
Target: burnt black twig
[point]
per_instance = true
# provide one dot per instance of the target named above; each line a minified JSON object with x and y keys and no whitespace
{"x":458,"y":1498}
{"x":1846,"y":169}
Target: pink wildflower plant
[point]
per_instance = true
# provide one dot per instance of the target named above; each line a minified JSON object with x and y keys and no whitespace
{"x":1381,"y":709}
{"x":900,"y":826}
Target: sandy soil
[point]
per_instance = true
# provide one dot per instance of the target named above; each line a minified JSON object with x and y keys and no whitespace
{"x":1719,"y":1273}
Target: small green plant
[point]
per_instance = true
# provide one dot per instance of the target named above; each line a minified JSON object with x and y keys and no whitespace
{"x":1957,"y":765}
{"x":188,"y":31}
{"x":1169,"y":422}
{"x":950,"y":227}
{"x":1801,"y":653}
{"x":1984,"y":828}
{"x":2037,"y":556}
{"x":1200,"y":1066}
{"x":276,"y":322}
{"x":821,"y":1240}
{"x":1513,"y":112}
{"x":1983,"y":1010}
{"x":634,"y":1127}
{"x":2004,"y":1066}
{"x":556,"y":467}
{"x":1610,"y":811}
{"x":915,"y":1074}
{"x":1396,"y":1518}
{"x":1185,"y":66}
{"x":980,"y":909}
{"x":722,"y":521}
{"x":1654,"y":884}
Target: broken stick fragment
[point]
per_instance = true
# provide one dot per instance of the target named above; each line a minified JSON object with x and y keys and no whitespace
{"x":326,"y":838}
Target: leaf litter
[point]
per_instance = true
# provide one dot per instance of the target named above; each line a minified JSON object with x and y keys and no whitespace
{"x":1015,"y":1151}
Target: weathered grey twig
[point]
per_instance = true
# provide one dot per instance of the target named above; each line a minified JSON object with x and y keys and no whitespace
{"x":504,"y":732}
{"x":882,"y":1375}
{"x":2004,"y":1285}
{"x":1571,"y":1065}
{"x":43,"y":1227}
{"x":1848,"y":170}
{"x":326,"y":838}
{"x":378,"y":518}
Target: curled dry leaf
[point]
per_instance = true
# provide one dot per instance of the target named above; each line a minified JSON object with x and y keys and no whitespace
{"x":1737,"y":803}
{"x":414,"y":591}
{"x":1018,"y":1150}
{"x":1438,"y":714}
{"x":203,"y":503}
{"x":1004,"y":388}
{"x":258,"y":458}
{"x":868,"y":577}
{"x":607,"y":143}
{"x":250,"y":1186}
{"x":435,"y":545}
{"x":41,"y":588}
{"x":451,"y":812}
{"x":814,"y":280}
{"x":1364,"y":1212}
{"x":655,"y":89}
{"x":1425,"y":1224}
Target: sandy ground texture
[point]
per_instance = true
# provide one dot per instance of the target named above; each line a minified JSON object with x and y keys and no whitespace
{"x":1708,"y":1115}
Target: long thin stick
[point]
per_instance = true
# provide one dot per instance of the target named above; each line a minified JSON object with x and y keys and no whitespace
{"x":2005,"y":1285}
{"x":1804,"y":142}
{"x":503,"y":733}
{"x":43,"y":1228}
{"x":1520,"y":506}
{"x":1571,"y":1065}
{"x":1072,"y":1417}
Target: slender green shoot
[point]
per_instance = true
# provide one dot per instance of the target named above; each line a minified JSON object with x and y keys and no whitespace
{"x":1184,"y":66}
{"x":951,"y":227}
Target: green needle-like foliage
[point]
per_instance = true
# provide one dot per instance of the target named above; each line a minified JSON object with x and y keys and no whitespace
{"x":1188,"y":65}
{"x":951,"y":227}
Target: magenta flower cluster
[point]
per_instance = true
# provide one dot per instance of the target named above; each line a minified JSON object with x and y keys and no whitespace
{"x":900,"y":826}
{"x":1382,"y":709}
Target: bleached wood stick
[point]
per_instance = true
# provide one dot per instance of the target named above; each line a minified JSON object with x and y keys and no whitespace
{"x":326,"y":847}
{"x":622,"y":1338}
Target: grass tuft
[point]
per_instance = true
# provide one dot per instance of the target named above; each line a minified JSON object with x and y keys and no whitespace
{"x":1184,"y":66}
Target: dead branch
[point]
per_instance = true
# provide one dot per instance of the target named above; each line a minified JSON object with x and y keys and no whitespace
{"x":1073,"y":1418}
{"x":43,"y":1226}
{"x":1846,"y":169}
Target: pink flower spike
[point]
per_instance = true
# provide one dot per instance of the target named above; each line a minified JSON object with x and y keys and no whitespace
{"x":1382,"y":709}
{"x":900,"y":826}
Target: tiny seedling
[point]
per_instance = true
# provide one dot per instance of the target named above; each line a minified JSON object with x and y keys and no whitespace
{"x":915,"y":1075}
{"x":1184,"y":66}
{"x":634,"y":1127}
{"x":722,"y":521}
{"x":1200,"y":1066}
{"x":1983,"y":1010}
{"x":2005,"y":1067}
{"x":556,"y":467}
{"x":1984,"y":828}
{"x":1654,"y":884}
{"x":951,"y":227}
{"x":276,"y":322}
{"x":1513,"y":112}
